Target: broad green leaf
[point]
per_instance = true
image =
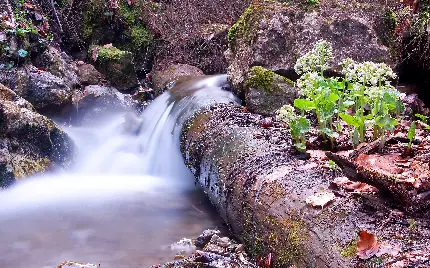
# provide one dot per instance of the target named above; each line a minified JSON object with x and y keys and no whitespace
{"x":330,"y":133}
{"x":303,"y":104}
{"x":386,"y":122}
{"x":303,"y":125}
{"x":333,"y":97}
{"x":411,"y":131}
{"x":350,"y":120}
{"x":326,"y":109}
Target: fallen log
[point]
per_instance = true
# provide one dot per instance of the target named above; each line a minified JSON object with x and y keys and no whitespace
{"x":260,"y":186}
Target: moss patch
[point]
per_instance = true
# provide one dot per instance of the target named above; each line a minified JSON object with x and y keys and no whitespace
{"x":140,"y":36}
{"x":108,"y":53}
{"x":261,"y":78}
{"x":350,"y":249}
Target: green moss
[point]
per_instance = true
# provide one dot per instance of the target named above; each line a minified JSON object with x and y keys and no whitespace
{"x":350,"y":250}
{"x":288,"y":240}
{"x":261,"y":78}
{"x":140,"y":36}
{"x":239,"y":27}
{"x":109,"y":53}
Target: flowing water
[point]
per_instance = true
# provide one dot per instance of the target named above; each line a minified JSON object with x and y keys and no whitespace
{"x":128,"y":197}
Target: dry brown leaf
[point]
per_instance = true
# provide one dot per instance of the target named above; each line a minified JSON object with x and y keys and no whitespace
{"x":367,"y":246}
{"x":358,"y":187}
{"x":320,"y":199}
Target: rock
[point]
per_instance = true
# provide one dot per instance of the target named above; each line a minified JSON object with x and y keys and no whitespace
{"x":30,"y":143}
{"x":117,"y":66}
{"x":183,"y":245}
{"x":205,"y":237}
{"x":274,"y":35}
{"x":266,"y":92}
{"x":59,"y":64}
{"x":88,"y":75}
{"x":95,"y":100}
{"x":160,"y":79}
{"x":215,"y":251}
{"x":42,"y":89}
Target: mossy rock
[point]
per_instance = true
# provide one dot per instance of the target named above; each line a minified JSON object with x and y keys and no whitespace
{"x":117,"y":66}
{"x":266,"y":92}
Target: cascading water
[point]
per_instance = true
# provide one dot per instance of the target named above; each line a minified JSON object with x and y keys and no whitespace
{"x":128,"y":197}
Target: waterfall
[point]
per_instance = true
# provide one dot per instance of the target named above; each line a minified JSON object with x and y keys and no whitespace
{"x":127,"y":197}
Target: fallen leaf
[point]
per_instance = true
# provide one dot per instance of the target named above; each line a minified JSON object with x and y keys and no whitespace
{"x":108,"y":45}
{"x":357,"y":187}
{"x":320,"y":199}
{"x":368,"y":247}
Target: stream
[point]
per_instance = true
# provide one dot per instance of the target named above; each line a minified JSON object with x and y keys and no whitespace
{"x":127,"y":198}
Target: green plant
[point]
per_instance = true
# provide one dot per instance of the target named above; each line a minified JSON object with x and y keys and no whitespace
{"x":364,"y":98}
{"x":299,"y":126}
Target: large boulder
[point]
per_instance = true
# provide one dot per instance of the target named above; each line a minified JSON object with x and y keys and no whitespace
{"x":30,"y":143}
{"x":161,"y":78}
{"x":45,"y":91}
{"x":274,"y":35}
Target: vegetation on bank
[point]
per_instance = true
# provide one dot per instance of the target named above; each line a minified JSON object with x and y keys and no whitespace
{"x":362,"y":99}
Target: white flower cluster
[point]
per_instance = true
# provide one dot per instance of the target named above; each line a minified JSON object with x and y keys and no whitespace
{"x":315,"y":60}
{"x":367,"y":72}
{"x":308,"y":83}
{"x":286,"y":114}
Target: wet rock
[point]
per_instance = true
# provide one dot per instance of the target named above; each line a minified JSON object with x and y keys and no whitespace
{"x":266,"y":92}
{"x":117,"y":66}
{"x":205,"y":237}
{"x":160,"y":79}
{"x":29,"y":142}
{"x":214,"y":251}
{"x":274,"y":35}
{"x":88,"y":75}
{"x":185,"y":245}
{"x":59,"y":64}
{"x":97,"y":100}
{"x":42,"y":89}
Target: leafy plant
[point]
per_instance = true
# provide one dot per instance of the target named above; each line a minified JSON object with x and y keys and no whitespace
{"x":364,"y":98}
{"x":299,"y":126}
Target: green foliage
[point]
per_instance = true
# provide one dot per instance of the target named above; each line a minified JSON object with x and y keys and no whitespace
{"x":411,"y":134}
{"x":261,"y":77}
{"x":299,"y":126}
{"x":363,"y":99}
{"x":140,"y":36}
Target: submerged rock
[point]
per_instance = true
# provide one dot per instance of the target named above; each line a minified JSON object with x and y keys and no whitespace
{"x":162,"y":78}
{"x":30,"y":143}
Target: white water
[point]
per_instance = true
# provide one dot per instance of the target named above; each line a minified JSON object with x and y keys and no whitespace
{"x":127,"y":199}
